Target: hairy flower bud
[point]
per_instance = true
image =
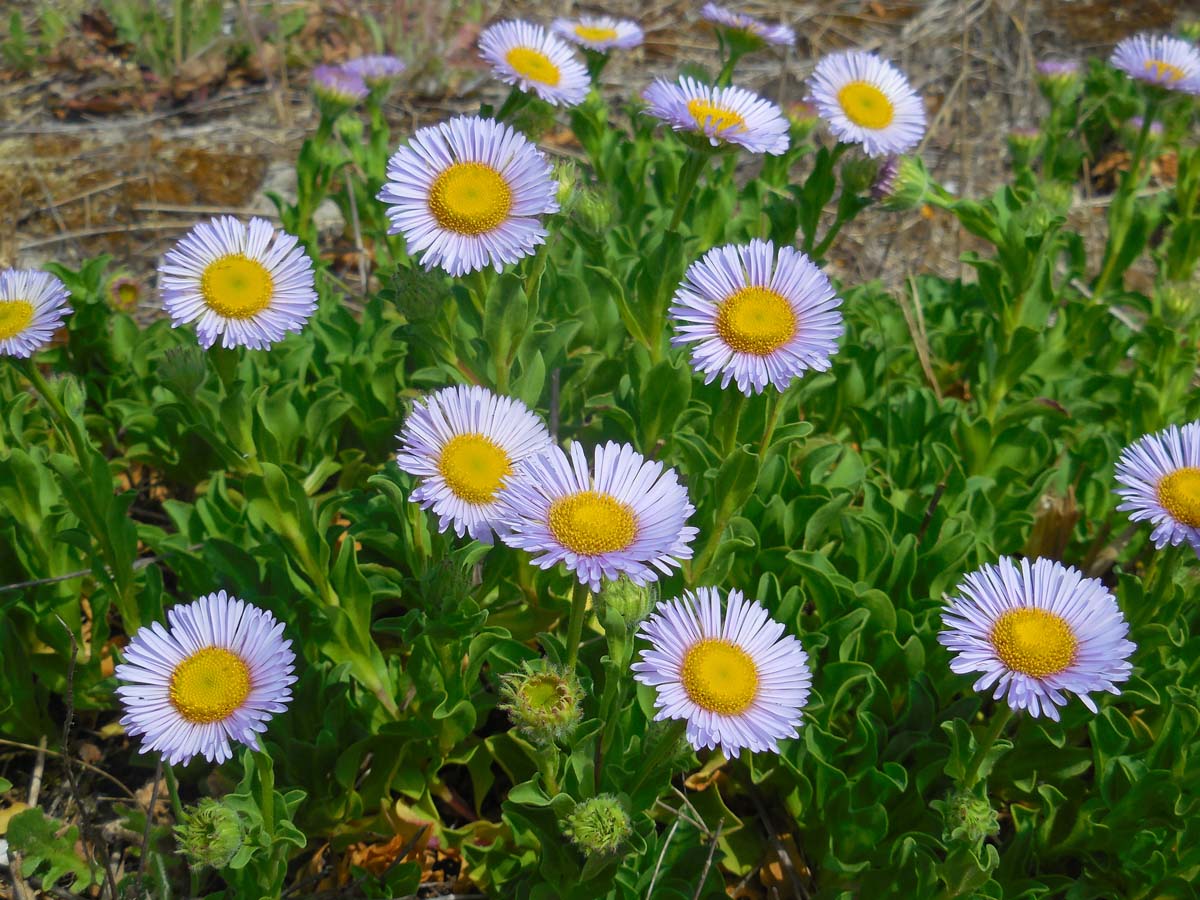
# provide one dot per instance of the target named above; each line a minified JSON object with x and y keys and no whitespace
{"x":1059,"y":80}
{"x":630,"y":601}
{"x":859,"y":173}
{"x":183,"y":369}
{"x":1023,"y":144}
{"x":209,"y":834}
{"x":599,"y":826}
{"x":902,"y":183}
{"x":967,"y":817}
{"x":543,"y":702}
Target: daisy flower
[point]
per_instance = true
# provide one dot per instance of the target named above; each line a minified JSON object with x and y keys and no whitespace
{"x":755,"y":316}
{"x":738,"y":681}
{"x":463,"y":443}
{"x":467,"y":193}
{"x":32,"y":306}
{"x":1160,"y":478}
{"x":722,"y":114}
{"x":1037,"y":630}
{"x":376,"y":70}
{"x":218,"y":673}
{"x":338,"y":85}
{"x":866,"y":100}
{"x":626,"y":515}
{"x":600,"y":33}
{"x":780,"y":35}
{"x":534,"y":60}
{"x":248,"y":285}
{"x":1159,"y":60}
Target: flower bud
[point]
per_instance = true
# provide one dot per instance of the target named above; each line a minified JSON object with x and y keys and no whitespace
{"x":566,"y":175}
{"x":543,"y":702}
{"x":967,"y":817}
{"x":123,"y":294}
{"x":1132,"y":130}
{"x":209,"y":834}
{"x":1058,"y":79}
{"x":631,"y":602}
{"x":858,"y":174}
{"x":803,"y":118}
{"x":351,"y":129}
{"x":902,"y":183}
{"x":594,"y":209}
{"x":337,"y":90}
{"x":599,"y":826}
{"x":1179,"y":301}
{"x":418,"y":293}
{"x":1023,"y":144}
{"x":183,"y":370}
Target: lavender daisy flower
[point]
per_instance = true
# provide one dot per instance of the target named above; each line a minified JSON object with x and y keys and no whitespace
{"x":1163,"y":61}
{"x":218,"y":673}
{"x":722,"y":114}
{"x":626,"y":515}
{"x":467,"y":194}
{"x":248,"y":285}
{"x":1160,"y":483}
{"x":338,"y":86}
{"x":32,"y":306}
{"x":1057,"y":68}
{"x":536,"y":61}
{"x":756,"y":317}
{"x":464,"y":443}
{"x":1037,"y":631}
{"x":766,"y":32}
{"x":376,"y":70}
{"x":866,"y":100}
{"x":737,"y":680}
{"x":600,"y":33}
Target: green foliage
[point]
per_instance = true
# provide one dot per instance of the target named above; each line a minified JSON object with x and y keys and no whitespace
{"x":48,"y":850}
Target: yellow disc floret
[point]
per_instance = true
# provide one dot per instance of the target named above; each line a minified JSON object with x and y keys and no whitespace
{"x":1179,"y":494}
{"x":1034,"y":641}
{"x":719,"y":676}
{"x":591,"y":523}
{"x":209,"y":685}
{"x":719,"y":117}
{"x":236,"y":286}
{"x":592,"y":33}
{"x":1172,"y":72}
{"x":470,"y":198}
{"x":474,"y":467}
{"x":866,"y":105}
{"x":15,"y":316}
{"x":756,"y":320}
{"x":533,"y":65}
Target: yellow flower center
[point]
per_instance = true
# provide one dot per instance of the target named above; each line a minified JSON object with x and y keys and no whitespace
{"x":1034,"y":641}
{"x":236,"y":286}
{"x":866,"y":105}
{"x":591,"y":523}
{"x":209,"y":685}
{"x":756,"y":320}
{"x":592,"y":33}
{"x":1179,"y":494}
{"x":1161,"y":69}
{"x":719,"y":676}
{"x":474,"y":467}
{"x":720,"y":117}
{"x":534,"y":65}
{"x":470,"y":198}
{"x":15,"y":316}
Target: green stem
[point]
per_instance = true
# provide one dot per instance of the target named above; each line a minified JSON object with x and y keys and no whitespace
{"x":1158,"y":580}
{"x":689,"y":174}
{"x":999,"y":720}
{"x":579,"y":598}
{"x":173,"y":790}
{"x":733,"y":421}
{"x":1121,"y":212}
{"x":61,"y":420}
{"x":774,"y":405}
{"x":662,"y":752}
{"x":725,"y":76}
{"x":516,"y":99}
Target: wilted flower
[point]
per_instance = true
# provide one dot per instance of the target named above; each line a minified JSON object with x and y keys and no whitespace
{"x":124,"y":293}
{"x":543,"y":702}
{"x":598,"y":826}
{"x":536,"y":61}
{"x":727,"y":115}
{"x":599,"y":33}
{"x":209,"y":834}
{"x":1160,"y":483}
{"x":32,"y":306}
{"x":743,"y":26}
{"x":1165,"y":62}
{"x":1036,"y":631}
{"x":220,"y":672}
{"x":866,"y":100}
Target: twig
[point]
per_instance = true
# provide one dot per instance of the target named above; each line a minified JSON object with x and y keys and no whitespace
{"x":661,"y":856}
{"x":712,"y":849}
{"x":107,"y":229}
{"x":138,"y":564}
{"x":933,"y":505}
{"x":39,"y":766}
{"x":202,"y":210}
{"x":34,"y":748}
{"x":149,"y":826}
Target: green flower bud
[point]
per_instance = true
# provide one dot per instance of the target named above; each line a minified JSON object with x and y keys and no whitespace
{"x":1057,"y":196}
{"x":594,"y":209}
{"x":210,"y":834}
{"x":1023,"y":144}
{"x":858,"y":174}
{"x":903,"y":183}
{"x":183,"y":370}
{"x":1059,"y":80}
{"x":419,"y":293}
{"x":803,"y":119}
{"x":351,"y":129}
{"x":630,"y":601}
{"x":599,"y":826}
{"x":1179,"y":301}
{"x":543,"y":702}
{"x":967,"y":817}
{"x":1190,"y":31}
{"x":566,"y":173}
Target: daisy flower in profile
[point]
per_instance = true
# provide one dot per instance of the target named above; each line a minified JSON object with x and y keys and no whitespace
{"x":766,"y":32}
{"x":722,"y":114}
{"x":1159,"y":60}
{"x":32,"y":306}
{"x":627,"y":514}
{"x":463,"y":443}
{"x":338,"y":86}
{"x":218,"y":673}
{"x":1160,"y":483}
{"x":600,"y":33}
{"x":534,"y":60}
{"x":866,"y":100}
{"x":245,"y":284}
{"x":467,"y":194}
{"x":1037,"y":630}
{"x":376,"y":70}
{"x":737,"y":680}
{"x":756,"y":317}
